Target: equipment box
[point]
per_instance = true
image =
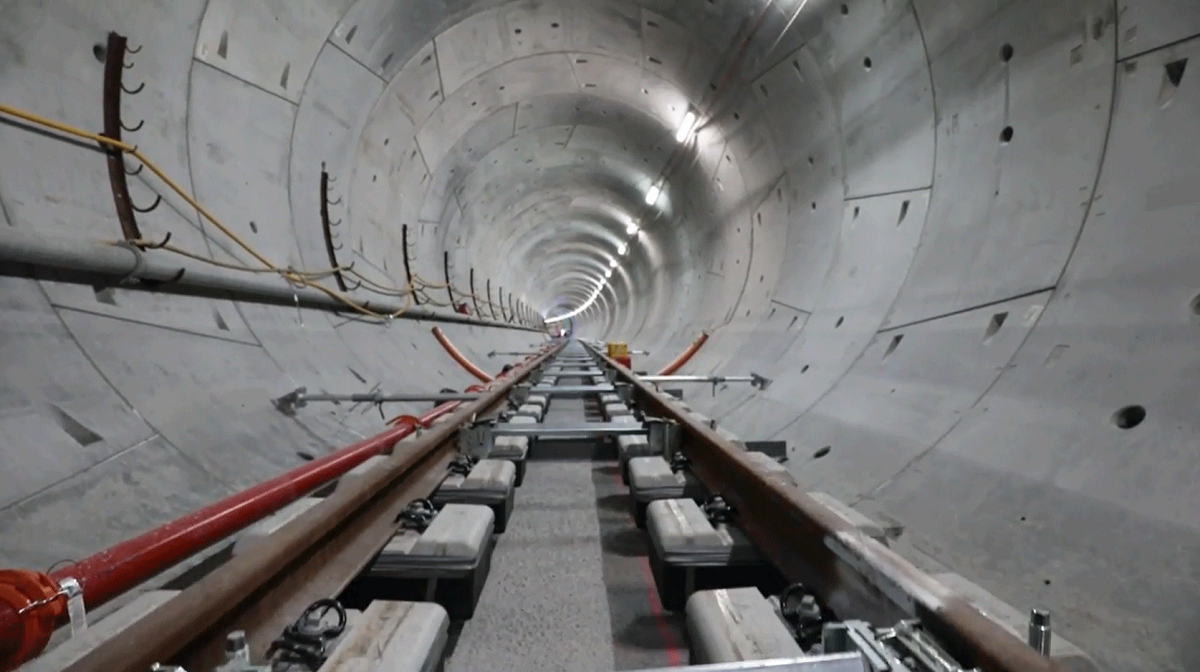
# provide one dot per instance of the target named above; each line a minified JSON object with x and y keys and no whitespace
{"x":491,"y":483}
{"x":694,"y":548}
{"x":441,"y":556}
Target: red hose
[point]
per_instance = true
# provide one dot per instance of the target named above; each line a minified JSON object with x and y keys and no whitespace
{"x":120,"y":568}
{"x":458,"y":356}
{"x":685,"y":355}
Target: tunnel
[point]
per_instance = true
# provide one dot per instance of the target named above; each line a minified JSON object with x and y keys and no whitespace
{"x":957,"y":237}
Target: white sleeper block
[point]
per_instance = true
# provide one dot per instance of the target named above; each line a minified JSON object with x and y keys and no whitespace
{"x":864,"y":524}
{"x":731,"y":625}
{"x":259,"y":532}
{"x":773,"y":469}
{"x":393,"y":637}
{"x":358,"y":473}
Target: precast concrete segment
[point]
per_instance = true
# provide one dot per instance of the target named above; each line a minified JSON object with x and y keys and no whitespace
{"x":958,"y":239}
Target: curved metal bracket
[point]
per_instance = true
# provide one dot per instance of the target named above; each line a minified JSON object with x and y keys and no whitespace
{"x":157,"y":200}
{"x":135,"y":129}
{"x":133,"y":92}
{"x":135,"y":171}
{"x":327,"y":230}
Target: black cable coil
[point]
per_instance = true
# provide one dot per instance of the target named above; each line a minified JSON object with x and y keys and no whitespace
{"x":718,"y":510}
{"x":680,"y":462}
{"x":463,"y":464}
{"x":417,"y":515}
{"x":304,"y":642}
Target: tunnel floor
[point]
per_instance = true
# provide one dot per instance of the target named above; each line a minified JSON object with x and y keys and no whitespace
{"x":570,"y":586}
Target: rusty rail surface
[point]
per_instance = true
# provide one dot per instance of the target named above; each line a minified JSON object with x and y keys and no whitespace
{"x":856,"y":576}
{"x":313,"y":556}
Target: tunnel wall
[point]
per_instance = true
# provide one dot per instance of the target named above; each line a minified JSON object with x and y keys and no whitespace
{"x":122,"y":409}
{"x":957,"y":315}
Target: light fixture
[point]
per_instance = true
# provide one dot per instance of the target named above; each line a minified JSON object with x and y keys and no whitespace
{"x":685,"y":127}
{"x":608,"y":274}
{"x":613,"y":264}
{"x":653,"y":194}
{"x":631,"y":228}
{"x":622,"y":248}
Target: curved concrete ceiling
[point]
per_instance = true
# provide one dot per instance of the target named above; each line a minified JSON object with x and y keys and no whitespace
{"x":960,"y":237}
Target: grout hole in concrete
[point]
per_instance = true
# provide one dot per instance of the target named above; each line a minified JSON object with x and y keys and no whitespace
{"x":814,"y":205}
{"x":856,"y":210}
{"x":75,"y":429}
{"x":350,"y":33}
{"x":1006,"y":135}
{"x":105,"y":295}
{"x":1006,"y":53}
{"x":387,"y":60}
{"x":1174,"y":71}
{"x":867,"y":62}
{"x":253,"y":226}
{"x":1129,"y":417}
{"x":994,"y":325}
{"x":893,"y":345}
{"x":903,"y":212}
{"x":845,"y":9}
{"x":305,"y":455}
{"x":655,"y":61}
{"x":283,"y":79}
{"x":100,"y":51}
{"x":839,"y":322}
{"x":223,"y":45}
{"x":220,"y":320}
{"x":822,"y":452}
{"x":1195,"y":306}
{"x":554,"y":25}
{"x":428,"y":58}
{"x":803,"y":369}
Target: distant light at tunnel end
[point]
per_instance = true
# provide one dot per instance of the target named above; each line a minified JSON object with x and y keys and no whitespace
{"x":653,"y":194}
{"x":685,"y":127}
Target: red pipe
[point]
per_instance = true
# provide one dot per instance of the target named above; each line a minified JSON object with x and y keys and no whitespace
{"x":685,"y":355}
{"x":120,"y":568}
{"x":458,"y":356}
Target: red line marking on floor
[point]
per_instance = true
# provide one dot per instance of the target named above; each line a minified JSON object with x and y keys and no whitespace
{"x":674,"y":658}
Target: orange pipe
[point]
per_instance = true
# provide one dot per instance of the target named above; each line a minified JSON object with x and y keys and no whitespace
{"x":458,"y":356}
{"x":683,"y":356}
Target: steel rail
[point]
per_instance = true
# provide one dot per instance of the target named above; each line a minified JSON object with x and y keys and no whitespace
{"x":856,"y":576}
{"x":192,"y":621}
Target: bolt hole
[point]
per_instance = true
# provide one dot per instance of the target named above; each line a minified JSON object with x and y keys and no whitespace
{"x":1022,"y":519}
{"x":1006,"y":53}
{"x":253,"y":227}
{"x":867,"y":63}
{"x":554,"y":25}
{"x":1196,"y":306}
{"x":1129,"y":417}
{"x":1006,"y":135}
{"x":822,"y":452}
{"x":814,"y":205}
{"x":305,"y":455}
{"x":804,"y":369}
{"x":100,"y":52}
{"x":1046,"y":581}
{"x":845,"y":10}
{"x":517,"y":31}
{"x":839,"y":322}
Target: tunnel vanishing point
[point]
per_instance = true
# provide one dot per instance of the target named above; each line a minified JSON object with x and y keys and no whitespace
{"x":960,"y":237}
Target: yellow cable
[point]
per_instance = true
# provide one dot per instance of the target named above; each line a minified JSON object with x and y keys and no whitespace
{"x":303,"y":278}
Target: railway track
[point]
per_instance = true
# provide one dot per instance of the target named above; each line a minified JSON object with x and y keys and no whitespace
{"x":320,"y":552}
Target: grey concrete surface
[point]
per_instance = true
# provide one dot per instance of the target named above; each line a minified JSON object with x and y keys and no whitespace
{"x":959,"y":236}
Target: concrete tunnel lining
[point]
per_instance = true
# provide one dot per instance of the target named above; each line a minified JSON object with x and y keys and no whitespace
{"x":851,"y":231}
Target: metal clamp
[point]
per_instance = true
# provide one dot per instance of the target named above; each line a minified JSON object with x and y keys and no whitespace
{"x":664,"y":437}
{"x":477,"y":439}
{"x":76,"y":609}
{"x":288,"y":403}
